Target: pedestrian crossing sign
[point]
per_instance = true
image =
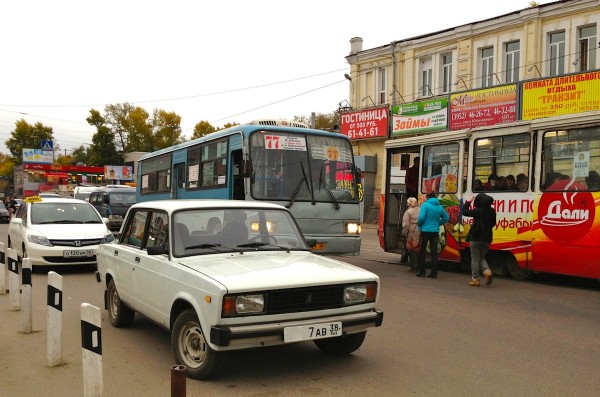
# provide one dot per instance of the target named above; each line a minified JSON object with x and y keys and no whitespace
{"x":47,"y":145}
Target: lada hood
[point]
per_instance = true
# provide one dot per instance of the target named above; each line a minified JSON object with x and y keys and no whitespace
{"x":70,"y":232}
{"x":267,"y":270}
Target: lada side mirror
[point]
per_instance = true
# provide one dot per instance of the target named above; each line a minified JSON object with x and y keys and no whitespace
{"x":157,"y":250}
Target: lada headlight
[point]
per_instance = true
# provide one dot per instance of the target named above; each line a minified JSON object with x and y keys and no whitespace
{"x":243,"y":305}
{"x":352,"y":228}
{"x":360,"y":293}
{"x":40,"y":240}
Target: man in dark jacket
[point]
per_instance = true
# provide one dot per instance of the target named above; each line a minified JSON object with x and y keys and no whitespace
{"x":481,"y":234}
{"x":431,"y":217}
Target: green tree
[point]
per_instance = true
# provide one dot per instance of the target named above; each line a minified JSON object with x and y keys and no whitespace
{"x":117,"y":119}
{"x":7,"y":165}
{"x":26,"y":136}
{"x":166,"y":129}
{"x":228,"y":125}
{"x":202,"y":128}
{"x":103,"y":150}
{"x":139,"y":131}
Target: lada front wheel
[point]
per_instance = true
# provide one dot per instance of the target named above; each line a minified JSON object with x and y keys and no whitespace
{"x":191,"y":349}
{"x":341,"y":345}
{"x":120,"y":315}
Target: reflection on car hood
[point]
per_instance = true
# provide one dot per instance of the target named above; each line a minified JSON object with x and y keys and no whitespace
{"x":70,"y":231}
{"x":260,"y":270}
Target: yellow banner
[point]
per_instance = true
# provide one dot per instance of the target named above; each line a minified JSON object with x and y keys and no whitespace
{"x":560,"y":95}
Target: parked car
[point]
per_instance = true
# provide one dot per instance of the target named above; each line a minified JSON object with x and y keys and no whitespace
{"x":57,"y":231}
{"x":4,"y":216}
{"x":113,"y":204}
{"x":83,"y":192}
{"x":223,"y":275}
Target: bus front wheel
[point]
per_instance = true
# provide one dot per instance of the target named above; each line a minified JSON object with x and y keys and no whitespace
{"x":515,"y":270}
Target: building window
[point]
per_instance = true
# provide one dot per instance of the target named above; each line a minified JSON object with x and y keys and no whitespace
{"x":487,"y":67}
{"x":586,"y":57}
{"x":381,"y":86}
{"x":557,"y":53}
{"x":511,"y":62}
{"x":426,"y":77}
{"x":446,"y":73}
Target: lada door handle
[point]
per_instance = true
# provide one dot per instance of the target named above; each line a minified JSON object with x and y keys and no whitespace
{"x":137,"y":259}
{"x":116,"y":253}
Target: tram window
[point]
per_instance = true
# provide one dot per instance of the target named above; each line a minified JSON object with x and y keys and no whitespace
{"x":501,"y":162}
{"x":571,"y":160}
{"x":440,"y":169}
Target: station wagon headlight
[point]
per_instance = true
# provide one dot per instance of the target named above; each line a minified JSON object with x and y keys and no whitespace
{"x":360,"y":293}
{"x":108,"y":238}
{"x":239,"y":305}
{"x":352,"y":228}
{"x":40,"y":240}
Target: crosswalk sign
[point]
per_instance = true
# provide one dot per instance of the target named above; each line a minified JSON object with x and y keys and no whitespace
{"x":47,"y":145}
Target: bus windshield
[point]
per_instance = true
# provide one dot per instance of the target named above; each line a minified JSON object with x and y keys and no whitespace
{"x":299,"y":167}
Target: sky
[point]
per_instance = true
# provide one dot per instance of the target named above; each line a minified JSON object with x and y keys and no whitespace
{"x":217,"y":61}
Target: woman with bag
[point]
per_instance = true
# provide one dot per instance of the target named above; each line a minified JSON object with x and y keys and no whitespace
{"x":480,"y":235}
{"x":411,"y":233}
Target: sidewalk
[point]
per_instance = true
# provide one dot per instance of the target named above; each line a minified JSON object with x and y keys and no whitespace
{"x":369,"y":247}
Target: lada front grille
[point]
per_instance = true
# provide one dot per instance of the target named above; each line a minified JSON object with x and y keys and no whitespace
{"x":75,"y":243}
{"x":305,"y":299}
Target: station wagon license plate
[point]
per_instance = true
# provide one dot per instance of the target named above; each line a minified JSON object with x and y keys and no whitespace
{"x":78,"y":253}
{"x":313,"y":331}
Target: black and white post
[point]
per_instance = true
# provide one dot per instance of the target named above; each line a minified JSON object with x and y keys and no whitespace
{"x":3,"y":270}
{"x":13,"y":280}
{"x":26,"y":302}
{"x":91,"y":347}
{"x":55,"y":304}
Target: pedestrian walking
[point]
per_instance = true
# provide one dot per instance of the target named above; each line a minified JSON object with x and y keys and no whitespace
{"x":431,"y":217}
{"x":411,"y":233}
{"x":480,"y":235}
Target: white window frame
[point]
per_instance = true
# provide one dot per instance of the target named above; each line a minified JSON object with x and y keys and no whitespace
{"x":512,"y":62}
{"x":381,"y":86}
{"x":426,"y":77}
{"x":446,"y":74}
{"x":557,"y":51}
{"x":487,"y":66}
{"x":586,"y":49}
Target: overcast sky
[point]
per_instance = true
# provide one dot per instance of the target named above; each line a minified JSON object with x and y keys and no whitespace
{"x":219,"y":61}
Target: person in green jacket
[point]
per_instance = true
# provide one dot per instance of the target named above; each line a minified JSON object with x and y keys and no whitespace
{"x":431,"y":217}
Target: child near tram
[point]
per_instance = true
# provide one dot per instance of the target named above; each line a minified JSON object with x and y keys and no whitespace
{"x":480,"y":235}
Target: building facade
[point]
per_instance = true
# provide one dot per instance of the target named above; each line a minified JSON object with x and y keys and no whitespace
{"x":542,"y":41}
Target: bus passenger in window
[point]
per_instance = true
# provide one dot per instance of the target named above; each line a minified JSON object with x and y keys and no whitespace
{"x":477,"y":185}
{"x":522,"y":185}
{"x":500,"y":185}
{"x":511,"y":183}
{"x":491,"y":183}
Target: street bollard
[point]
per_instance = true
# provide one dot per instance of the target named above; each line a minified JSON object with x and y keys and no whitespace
{"x":13,"y":279}
{"x":54,"y":335}
{"x":178,"y":386}
{"x":26,"y":295}
{"x":3,"y":270}
{"x":91,"y":348}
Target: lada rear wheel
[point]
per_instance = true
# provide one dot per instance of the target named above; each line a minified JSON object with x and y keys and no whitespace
{"x":120,"y":315}
{"x":191,"y":349}
{"x":341,"y":345}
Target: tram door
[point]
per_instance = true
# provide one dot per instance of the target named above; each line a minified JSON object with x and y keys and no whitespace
{"x":396,"y":193}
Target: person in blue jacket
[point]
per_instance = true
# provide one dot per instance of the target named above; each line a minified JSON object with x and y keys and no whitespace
{"x":431,"y":217}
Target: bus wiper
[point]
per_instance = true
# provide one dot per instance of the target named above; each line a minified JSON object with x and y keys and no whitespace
{"x":298,"y":186}
{"x":329,"y":192}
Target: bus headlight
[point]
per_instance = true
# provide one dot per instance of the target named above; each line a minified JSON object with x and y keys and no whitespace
{"x":239,"y":305}
{"x":352,"y":228}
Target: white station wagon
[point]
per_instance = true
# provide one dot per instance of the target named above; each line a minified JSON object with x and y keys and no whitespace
{"x":228,"y":275}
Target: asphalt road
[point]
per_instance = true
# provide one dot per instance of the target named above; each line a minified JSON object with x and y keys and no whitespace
{"x":439,"y":337}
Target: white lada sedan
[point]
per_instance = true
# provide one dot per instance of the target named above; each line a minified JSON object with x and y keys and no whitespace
{"x":226,"y":275}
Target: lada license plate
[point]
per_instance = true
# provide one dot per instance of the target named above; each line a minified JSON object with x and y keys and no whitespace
{"x":313,"y":331}
{"x":78,"y":253}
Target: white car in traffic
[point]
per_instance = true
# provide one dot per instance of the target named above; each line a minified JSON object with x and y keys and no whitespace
{"x":57,"y":231}
{"x":225,"y":275}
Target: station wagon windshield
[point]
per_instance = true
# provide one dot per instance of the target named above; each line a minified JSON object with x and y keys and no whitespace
{"x":200,"y":232}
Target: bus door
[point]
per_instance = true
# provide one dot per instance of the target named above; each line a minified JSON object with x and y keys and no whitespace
{"x":393,"y":200}
{"x":178,"y":181}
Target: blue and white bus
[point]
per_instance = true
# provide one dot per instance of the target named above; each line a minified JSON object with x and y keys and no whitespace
{"x":311,"y":172}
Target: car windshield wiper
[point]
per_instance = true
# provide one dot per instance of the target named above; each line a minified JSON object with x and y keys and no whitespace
{"x":257,"y":244}
{"x":298,"y":186}
{"x":69,"y":221}
{"x":204,"y":246}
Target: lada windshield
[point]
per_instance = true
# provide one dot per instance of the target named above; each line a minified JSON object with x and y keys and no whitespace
{"x":208,"y":231}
